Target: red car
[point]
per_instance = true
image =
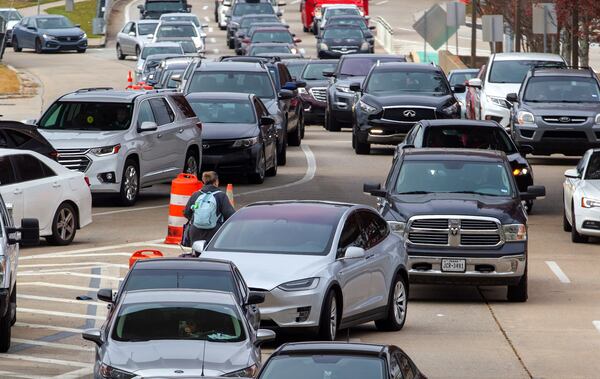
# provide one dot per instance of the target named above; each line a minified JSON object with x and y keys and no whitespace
{"x":472,"y":99}
{"x":310,"y":8}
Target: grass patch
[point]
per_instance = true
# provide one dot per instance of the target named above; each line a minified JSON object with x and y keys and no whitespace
{"x":83,"y":14}
{"x":22,"y":3}
{"x":9,"y":81}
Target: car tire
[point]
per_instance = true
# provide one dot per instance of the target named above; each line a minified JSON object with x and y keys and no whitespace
{"x":332,"y":125}
{"x":295,"y":137}
{"x":13,"y":303}
{"x":566,"y":226}
{"x":518,"y":292}
{"x":64,"y":225}
{"x":15,"y":45}
{"x":81,"y":51}
{"x":5,"y":325}
{"x":191,"y":165}
{"x":576,"y":237}
{"x":130,"y":183}
{"x":282,"y":152}
{"x":120,"y":55}
{"x":258,"y":176}
{"x":38,"y":46}
{"x":138,"y":51}
{"x":273,"y":170}
{"x":329,"y":319}
{"x":230,"y":43}
{"x":362,"y":148}
{"x":397,"y":306}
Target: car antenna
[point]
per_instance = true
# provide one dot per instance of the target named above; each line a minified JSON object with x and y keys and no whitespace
{"x":203,"y":357}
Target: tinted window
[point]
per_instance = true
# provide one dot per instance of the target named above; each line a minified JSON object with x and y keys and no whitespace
{"x":295,"y":69}
{"x":253,"y":8}
{"x":161,"y":114}
{"x":127,"y":27}
{"x":386,"y":82}
{"x":281,"y":49}
{"x":258,"y":83}
{"x":515,"y":71}
{"x":88,"y":116}
{"x":374,"y":228}
{"x":145,"y":114}
{"x":9,"y":15}
{"x":342,"y":33}
{"x":224,"y":111}
{"x":483,"y":178}
{"x":593,"y":168}
{"x":140,"y":279}
{"x":29,"y":168}
{"x":351,"y":236}
{"x":324,"y":366}
{"x":562,"y":90}
{"x":341,"y":12}
{"x":486,"y":138}
{"x":461,"y":77}
{"x":147,"y":28}
{"x":314,"y":71}
{"x":182,"y":104}
{"x":151,"y":50}
{"x":167,"y":6}
{"x":7,"y":175}
{"x":355,"y":21}
{"x":362,"y":66}
{"x":180,"y":30}
{"x":272,"y":36}
{"x":53,"y":23}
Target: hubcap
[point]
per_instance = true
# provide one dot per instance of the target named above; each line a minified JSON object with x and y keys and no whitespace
{"x":191,"y":165}
{"x":399,"y":302}
{"x":65,"y":224}
{"x":333,"y":319}
{"x":131,"y":183}
{"x":261,"y":166}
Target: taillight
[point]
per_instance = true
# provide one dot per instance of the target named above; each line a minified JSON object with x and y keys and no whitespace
{"x":87,"y":180}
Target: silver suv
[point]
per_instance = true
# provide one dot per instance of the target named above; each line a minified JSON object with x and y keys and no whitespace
{"x":124,"y":140}
{"x":9,"y":252}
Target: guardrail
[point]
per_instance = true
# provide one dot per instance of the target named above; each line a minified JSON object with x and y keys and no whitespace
{"x":385,"y":34}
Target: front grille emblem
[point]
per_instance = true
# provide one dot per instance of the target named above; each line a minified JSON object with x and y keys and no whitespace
{"x":454,"y":226}
{"x":565,"y":119}
{"x":205,"y":146}
{"x":409,"y":113}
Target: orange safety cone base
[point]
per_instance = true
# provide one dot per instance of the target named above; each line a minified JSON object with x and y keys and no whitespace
{"x":144,"y":254}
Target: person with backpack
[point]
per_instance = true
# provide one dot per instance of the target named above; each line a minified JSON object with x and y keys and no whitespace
{"x":207,"y":210}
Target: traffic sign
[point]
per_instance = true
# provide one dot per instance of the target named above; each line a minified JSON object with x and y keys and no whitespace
{"x":492,"y":28}
{"x":432,"y":26}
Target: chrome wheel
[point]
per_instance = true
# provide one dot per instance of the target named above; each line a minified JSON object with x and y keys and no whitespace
{"x":131,"y":183}
{"x":65,"y":224}
{"x":333,"y":319}
{"x":191,"y":165}
{"x":399,"y":302}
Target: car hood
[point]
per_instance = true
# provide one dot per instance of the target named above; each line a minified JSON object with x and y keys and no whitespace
{"x":264,"y":271}
{"x":215,"y":131}
{"x":346,"y":81}
{"x":562,"y":109}
{"x":591,"y":188}
{"x":166,"y":356}
{"x":426,"y":101}
{"x":77,"y":139}
{"x":501,"y":89}
{"x":316,"y":83}
{"x":506,"y":210}
{"x":62,"y":32}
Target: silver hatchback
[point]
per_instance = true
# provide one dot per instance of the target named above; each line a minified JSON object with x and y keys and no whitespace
{"x":323,"y":266}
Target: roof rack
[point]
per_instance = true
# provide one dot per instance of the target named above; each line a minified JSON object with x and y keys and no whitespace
{"x":561,"y":66}
{"x":248,"y":59}
{"x":90,"y":89}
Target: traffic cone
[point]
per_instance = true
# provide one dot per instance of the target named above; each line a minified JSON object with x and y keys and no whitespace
{"x":230,"y":194}
{"x":129,"y":78}
{"x":182,"y":188}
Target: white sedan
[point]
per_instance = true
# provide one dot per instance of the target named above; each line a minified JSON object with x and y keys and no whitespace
{"x":582,"y":198}
{"x":38,"y":187}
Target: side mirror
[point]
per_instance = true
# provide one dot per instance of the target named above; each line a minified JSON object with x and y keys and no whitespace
{"x":199,"y":246}
{"x":475,"y":83}
{"x":526,"y":149}
{"x":300,"y":84}
{"x":132,"y":34}
{"x":31,"y":121}
{"x":355,"y":87}
{"x":148,"y":126}
{"x":354,"y":252}
{"x":328,"y":73}
{"x":459,"y":88}
{"x":93,"y":335}
{"x":533,"y":192}
{"x":176,"y":78}
{"x":374,"y":189}
{"x":267,"y":120}
{"x":140,"y":7}
{"x":255,"y":298}
{"x":512,"y":97}
{"x":28,"y":234}
{"x":105,"y":294}
{"x":291,"y":86}
{"x":285,"y":94}
{"x":264,"y":335}
{"x":572,"y":174}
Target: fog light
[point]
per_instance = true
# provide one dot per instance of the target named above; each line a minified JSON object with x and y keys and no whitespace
{"x":376,"y":131}
{"x":107,"y":177}
{"x":303,"y":313}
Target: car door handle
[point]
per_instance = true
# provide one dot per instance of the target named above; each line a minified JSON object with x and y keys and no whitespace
{"x":18,"y":191}
{"x":180,"y":130}
{"x":159,"y":135}
{"x":56,"y":185}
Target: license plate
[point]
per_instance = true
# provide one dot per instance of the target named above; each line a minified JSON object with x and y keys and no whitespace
{"x":454,"y":265}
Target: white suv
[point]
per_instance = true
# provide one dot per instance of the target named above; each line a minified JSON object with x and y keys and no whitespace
{"x":504,"y":74}
{"x":124,"y":140}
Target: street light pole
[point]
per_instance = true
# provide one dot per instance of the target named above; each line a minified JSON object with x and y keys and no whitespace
{"x":473,"y":33}
{"x":518,"y":26}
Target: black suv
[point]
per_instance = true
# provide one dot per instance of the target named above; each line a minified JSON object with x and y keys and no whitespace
{"x":153,"y":9}
{"x":338,"y":40}
{"x":461,"y":215}
{"x":394,"y":97}
{"x":557,"y":111}
{"x":340,"y":98}
{"x":243,"y":8}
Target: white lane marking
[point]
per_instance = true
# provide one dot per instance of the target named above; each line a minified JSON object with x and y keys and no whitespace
{"x":210,"y":29}
{"x":82,"y":372}
{"x":50,"y":271}
{"x":127,"y":210}
{"x":204,"y":7}
{"x":558,"y":272}
{"x":206,"y":19}
{"x":212,"y":40}
{"x":61,"y":314}
{"x":382,"y":2}
{"x":83,"y":264}
{"x":59,"y":300}
{"x":49,"y":327}
{"x":55,"y":285}
{"x":9,"y":374}
{"x":53,"y":256}
{"x":53,"y":345}
{"x":58,"y":362}
{"x":596,"y":324}
{"x":68,"y":273}
{"x":92,"y":249}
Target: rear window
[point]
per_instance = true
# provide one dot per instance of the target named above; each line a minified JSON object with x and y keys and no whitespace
{"x":182,"y":104}
{"x":282,"y":49}
{"x":342,"y":33}
{"x":258,"y":83}
{"x":182,"y":30}
{"x":469,"y":138}
{"x":314,"y":71}
{"x":224,"y":111}
{"x":151,"y":50}
{"x":216,"y":280}
{"x":272,"y":36}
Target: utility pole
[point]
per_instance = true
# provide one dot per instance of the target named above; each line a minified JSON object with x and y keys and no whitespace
{"x":473,"y":33}
{"x":575,"y":35}
{"x":518,"y":26}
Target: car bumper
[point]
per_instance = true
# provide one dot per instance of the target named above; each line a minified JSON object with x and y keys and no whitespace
{"x":383,"y":132}
{"x":331,"y":54}
{"x":282,"y":309}
{"x":97,"y":170}
{"x":231,"y":162}
{"x":4,"y":301}
{"x":50,"y":45}
{"x":588,"y":221}
{"x":496,"y":113}
{"x":552,"y":139}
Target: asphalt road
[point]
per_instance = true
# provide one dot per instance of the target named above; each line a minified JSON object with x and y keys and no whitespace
{"x":451,"y":332}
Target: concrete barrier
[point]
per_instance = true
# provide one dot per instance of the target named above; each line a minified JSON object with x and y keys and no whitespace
{"x":385,"y":35}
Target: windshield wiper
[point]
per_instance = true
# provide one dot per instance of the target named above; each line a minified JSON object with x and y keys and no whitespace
{"x":413,"y":193}
{"x":474,"y":193}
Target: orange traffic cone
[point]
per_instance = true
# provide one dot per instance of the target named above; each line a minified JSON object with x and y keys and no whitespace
{"x":230,"y":194}
{"x":182,"y":189}
{"x":129,"y":78}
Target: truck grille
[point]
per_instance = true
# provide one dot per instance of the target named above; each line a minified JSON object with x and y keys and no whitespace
{"x":408,"y":114}
{"x":454,"y":231}
{"x":564,"y":119}
{"x":74,"y":159}
{"x":319,"y":93}
{"x":345,"y":49}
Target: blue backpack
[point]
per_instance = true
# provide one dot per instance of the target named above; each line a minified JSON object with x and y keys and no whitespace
{"x":205,"y":211}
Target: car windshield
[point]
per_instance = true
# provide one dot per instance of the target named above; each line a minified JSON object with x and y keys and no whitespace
{"x":515,"y":71}
{"x":473,"y":137}
{"x":178,"y":321}
{"x":253,"y":8}
{"x":53,"y":23}
{"x":461,"y":77}
{"x":593,"y":168}
{"x":192,"y":19}
{"x":295,"y":68}
{"x":560,"y":89}
{"x":223,"y":111}
{"x":249,"y":21}
{"x":165,"y":6}
{"x":173,"y":83}
{"x":180,"y":30}
{"x":147,"y":28}
{"x":151,"y":50}
{"x":10,"y":15}
{"x":217,"y":280}
{"x":314,"y":71}
{"x":258,"y":83}
{"x":87,"y":116}
{"x":404,"y":82}
{"x":272,"y":36}
{"x":354,"y":21}
{"x":324,"y":366}
{"x":255,"y":50}
{"x":342,"y":33}
{"x":482,"y":178}
{"x":288,"y":229}
{"x":361,"y":66}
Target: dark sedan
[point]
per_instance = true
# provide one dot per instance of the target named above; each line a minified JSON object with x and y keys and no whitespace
{"x":314,"y":96}
{"x":16,"y":135}
{"x":340,"y":40}
{"x":317,"y":360}
{"x":243,"y":26}
{"x":270,"y":35}
{"x":48,"y":33}
{"x":239,"y":136}
{"x":353,"y":20}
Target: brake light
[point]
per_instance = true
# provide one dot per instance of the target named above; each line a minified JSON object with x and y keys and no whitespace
{"x":87,"y":180}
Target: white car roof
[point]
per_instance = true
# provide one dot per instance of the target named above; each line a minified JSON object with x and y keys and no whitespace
{"x":527,"y":57}
{"x":353,"y":6}
{"x":147,"y":21}
{"x":60,"y":169}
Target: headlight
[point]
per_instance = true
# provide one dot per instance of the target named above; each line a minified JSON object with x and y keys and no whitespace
{"x":84,"y":35}
{"x":300,"y":285}
{"x":106,"y":150}
{"x":449,"y":111}
{"x":587,"y":202}
{"x":365,"y":46}
{"x":3,"y":265}
{"x":294,"y":50}
{"x":246,"y":142}
{"x":522,"y":171}
{"x":302,"y":90}
{"x":48,"y":36}
{"x":248,"y":372}
{"x":497,"y":101}
{"x":367,"y":108}
{"x":397,"y":227}
{"x":109,"y":372}
{"x":525,"y":118}
{"x":597,"y":120}
{"x":323,"y":46}
{"x":514,"y":232}
{"x":343,"y":89}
